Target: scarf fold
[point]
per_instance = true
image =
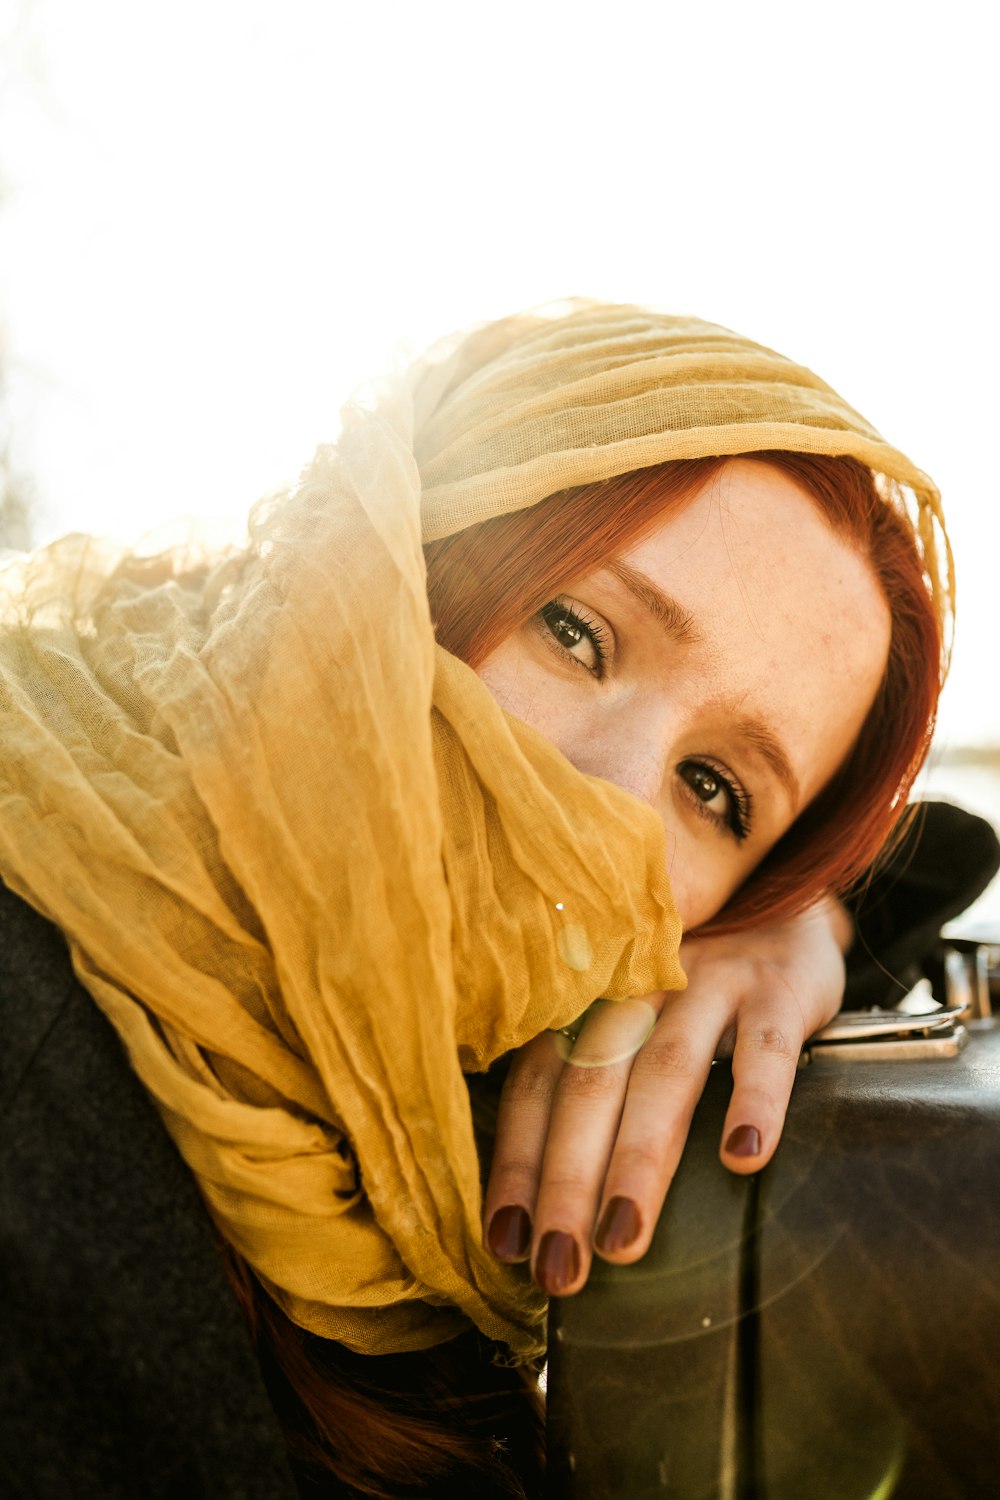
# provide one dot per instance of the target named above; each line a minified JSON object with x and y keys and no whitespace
{"x":305,"y":865}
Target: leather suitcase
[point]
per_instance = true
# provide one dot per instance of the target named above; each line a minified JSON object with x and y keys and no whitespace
{"x":826,"y":1330}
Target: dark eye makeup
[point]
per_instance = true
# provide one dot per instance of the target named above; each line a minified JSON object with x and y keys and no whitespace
{"x":705,"y":780}
{"x":572,"y":629}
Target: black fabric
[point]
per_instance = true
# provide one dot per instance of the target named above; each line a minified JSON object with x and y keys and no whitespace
{"x":947,"y":858}
{"x":878,"y":1282}
{"x":824,"y":1330}
{"x":125,"y":1365}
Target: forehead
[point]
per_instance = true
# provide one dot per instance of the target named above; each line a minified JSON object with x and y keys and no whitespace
{"x":759,"y":515}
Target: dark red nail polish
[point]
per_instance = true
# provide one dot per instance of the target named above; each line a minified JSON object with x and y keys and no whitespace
{"x":509,"y":1234}
{"x":558,"y":1263}
{"x":744,"y":1141}
{"x":619,"y":1226}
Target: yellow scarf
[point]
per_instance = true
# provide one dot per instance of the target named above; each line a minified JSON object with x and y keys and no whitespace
{"x":306,"y":867}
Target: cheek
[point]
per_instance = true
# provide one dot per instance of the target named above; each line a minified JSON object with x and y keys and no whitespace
{"x":702,"y":878}
{"x":510,"y":678}
{"x":523,"y":687}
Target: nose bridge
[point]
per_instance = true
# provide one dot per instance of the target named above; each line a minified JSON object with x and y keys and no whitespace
{"x":636,"y":746}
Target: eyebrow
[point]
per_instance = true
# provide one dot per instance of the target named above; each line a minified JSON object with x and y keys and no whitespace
{"x":680,"y":626}
{"x":667,"y":613}
{"x":770,"y":748}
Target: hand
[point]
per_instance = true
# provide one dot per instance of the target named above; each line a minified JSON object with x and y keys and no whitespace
{"x":589,"y":1135}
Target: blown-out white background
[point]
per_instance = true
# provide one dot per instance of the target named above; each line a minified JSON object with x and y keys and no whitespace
{"x":221,"y":215}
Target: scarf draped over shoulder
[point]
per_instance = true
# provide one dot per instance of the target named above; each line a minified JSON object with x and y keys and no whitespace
{"x":305,"y":865}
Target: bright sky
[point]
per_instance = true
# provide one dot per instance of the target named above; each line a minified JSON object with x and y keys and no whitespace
{"x":221,"y":215}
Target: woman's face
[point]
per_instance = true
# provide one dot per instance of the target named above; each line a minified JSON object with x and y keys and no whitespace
{"x":720,"y":669}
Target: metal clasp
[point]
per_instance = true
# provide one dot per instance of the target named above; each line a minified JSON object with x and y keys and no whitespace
{"x":972,"y":976}
{"x":931,"y":1031}
{"x":921,"y":1027}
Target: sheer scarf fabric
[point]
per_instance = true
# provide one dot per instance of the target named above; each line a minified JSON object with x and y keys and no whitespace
{"x":305,"y":865}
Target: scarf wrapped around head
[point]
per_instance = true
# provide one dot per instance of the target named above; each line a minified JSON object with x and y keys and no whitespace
{"x":305,"y":865}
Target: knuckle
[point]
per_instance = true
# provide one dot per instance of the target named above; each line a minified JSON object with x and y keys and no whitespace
{"x":532,"y":1079}
{"x":596,"y":1083}
{"x":639,"y":1160}
{"x":514,"y":1168}
{"x":667,"y":1057}
{"x":773,"y":1041}
{"x":569,"y":1186}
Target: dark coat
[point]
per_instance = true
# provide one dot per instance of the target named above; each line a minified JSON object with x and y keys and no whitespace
{"x":126,"y":1368}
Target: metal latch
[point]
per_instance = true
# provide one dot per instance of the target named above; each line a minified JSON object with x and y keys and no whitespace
{"x":891,"y":1035}
{"x":972,"y":975}
{"x":920,"y":1026}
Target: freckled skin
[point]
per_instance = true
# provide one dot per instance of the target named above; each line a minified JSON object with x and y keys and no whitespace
{"x":789,"y":629}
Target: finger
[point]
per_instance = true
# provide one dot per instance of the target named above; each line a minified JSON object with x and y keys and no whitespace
{"x":522,"y":1124}
{"x":666,"y":1082}
{"x":765,"y":1058}
{"x":582,"y":1128}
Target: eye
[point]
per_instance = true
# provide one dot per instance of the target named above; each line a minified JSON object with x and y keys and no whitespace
{"x":578,"y":634}
{"x":718,"y":795}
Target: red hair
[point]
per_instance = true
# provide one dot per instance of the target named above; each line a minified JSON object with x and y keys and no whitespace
{"x":485,"y":582}
{"x":386,"y":1425}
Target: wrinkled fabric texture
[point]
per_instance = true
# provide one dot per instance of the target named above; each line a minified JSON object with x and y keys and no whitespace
{"x":305,"y":865}
{"x":582,"y":391}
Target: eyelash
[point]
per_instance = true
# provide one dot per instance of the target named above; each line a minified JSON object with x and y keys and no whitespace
{"x":739,"y":820}
{"x":557,"y":610}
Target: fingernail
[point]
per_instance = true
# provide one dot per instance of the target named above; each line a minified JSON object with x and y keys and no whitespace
{"x":744,"y":1141}
{"x":509,"y":1234}
{"x":619,"y":1226}
{"x":558,"y":1263}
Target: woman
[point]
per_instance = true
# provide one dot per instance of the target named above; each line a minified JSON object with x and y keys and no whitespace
{"x":314,"y":870}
